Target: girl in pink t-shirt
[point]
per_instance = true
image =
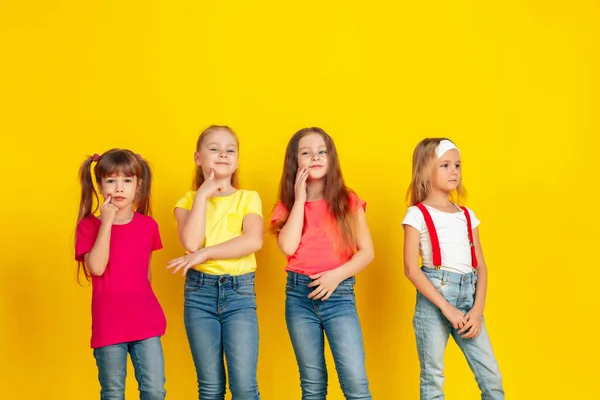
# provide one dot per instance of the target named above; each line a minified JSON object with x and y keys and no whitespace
{"x":113,"y":252}
{"x":321,"y":228}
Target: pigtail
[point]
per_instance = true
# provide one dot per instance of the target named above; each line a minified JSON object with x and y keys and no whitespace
{"x":144,"y":197}
{"x":88,"y":191}
{"x":88,"y":194}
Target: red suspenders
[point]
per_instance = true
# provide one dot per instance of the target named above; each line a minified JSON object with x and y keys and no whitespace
{"x":435,"y":243}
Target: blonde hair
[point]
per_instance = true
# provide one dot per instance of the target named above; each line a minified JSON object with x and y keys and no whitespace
{"x":423,"y":165}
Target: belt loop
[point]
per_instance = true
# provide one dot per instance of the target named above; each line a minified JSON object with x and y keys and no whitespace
{"x":295,"y":280}
{"x":201,"y":279}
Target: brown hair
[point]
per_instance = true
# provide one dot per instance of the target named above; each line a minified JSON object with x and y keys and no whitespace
{"x":423,"y":165}
{"x":114,"y":161}
{"x":336,"y":194}
{"x":199,"y":176}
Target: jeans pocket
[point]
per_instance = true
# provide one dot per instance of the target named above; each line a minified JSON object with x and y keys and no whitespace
{"x":437,"y":283}
{"x":344,"y":290}
{"x":289,"y":285}
{"x":190,"y":286}
{"x":246,"y":289}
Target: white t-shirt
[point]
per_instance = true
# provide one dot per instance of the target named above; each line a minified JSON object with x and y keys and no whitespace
{"x":452,"y":234}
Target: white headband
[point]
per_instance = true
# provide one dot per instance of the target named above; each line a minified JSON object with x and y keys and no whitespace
{"x":444,"y":146}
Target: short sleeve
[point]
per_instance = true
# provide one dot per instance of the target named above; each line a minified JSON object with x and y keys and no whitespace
{"x":279,"y":212}
{"x":186,"y":201}
{"x":253,"y":204}
{"x":85,"y":237}
{"x":414,"y":217}
{"x":156,"y":240}
{"x":474,"y":220}
{"x":356,"y":202}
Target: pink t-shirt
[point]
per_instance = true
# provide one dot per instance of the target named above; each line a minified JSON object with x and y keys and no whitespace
{"x":124,"y":307}
{"x":317,"y":251}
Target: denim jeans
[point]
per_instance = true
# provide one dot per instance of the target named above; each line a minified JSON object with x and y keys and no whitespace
{"x":220,"y":320}
{"x":307,"y":322}
{"x":148,"y":363}
{"x":432,"y":330}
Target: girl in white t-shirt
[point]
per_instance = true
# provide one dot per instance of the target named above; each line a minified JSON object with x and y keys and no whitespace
{"x":452,"y":282}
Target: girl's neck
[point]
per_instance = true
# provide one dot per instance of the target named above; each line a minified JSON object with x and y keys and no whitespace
{"x":123,"y":216}
{"x":226,"y":188}
{"x":438,"y":199}
{"x":315,"y":189}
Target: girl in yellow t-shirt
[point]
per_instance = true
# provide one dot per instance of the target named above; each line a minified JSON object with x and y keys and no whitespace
{"x":220,"y":227}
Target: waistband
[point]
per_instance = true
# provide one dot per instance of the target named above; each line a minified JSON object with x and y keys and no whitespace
{"x":452,"y":277}
{"x":204,"y":279}
{"x":299,"y":279}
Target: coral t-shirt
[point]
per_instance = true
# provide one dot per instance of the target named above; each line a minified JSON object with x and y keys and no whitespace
{"x":319,"y":249}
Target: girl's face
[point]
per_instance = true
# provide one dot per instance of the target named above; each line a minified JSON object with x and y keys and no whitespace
{"x":312,"y":154}
{"x":447,"y":174}
{"x":219,"y":152}
{"x":121,"y":189}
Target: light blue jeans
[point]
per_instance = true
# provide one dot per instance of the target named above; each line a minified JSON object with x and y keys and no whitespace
{"x":432,"y":330}
{"x":307,"y":322}
{"x":220,"y":320}
{"x":148,"y":363}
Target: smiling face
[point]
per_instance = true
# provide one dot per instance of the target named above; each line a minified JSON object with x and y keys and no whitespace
{"x":312,"y":154}
{"x":219,"y":152}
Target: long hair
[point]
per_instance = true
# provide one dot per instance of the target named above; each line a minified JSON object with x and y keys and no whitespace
{"x":423,"y":165}
{"x":114,"y":161}
{"x":336,"y":194}
{"x":199,"y":176}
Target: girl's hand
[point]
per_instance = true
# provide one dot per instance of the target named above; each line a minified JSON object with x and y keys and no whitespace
{"x":473,"y":326}
{"x":455,"y":316}
{"x":325,"y":283}
{"x":209,"y":187}
{"x":188,"y":261}
{"x":108,"y":211}
{"x":300,"y":185}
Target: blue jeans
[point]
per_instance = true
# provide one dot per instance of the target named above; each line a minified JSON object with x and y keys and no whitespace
{"x":432,"y":330}
{"x":220,"y":320}
{"x":148,"y":363}
{"x":307,"y":322}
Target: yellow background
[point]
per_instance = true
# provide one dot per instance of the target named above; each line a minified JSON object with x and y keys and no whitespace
{"x":515,"y":83}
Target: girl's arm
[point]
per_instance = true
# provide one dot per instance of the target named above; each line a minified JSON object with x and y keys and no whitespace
{"x":96,"y":259}
{"x":250,"y":241}
{"x":289,"y":237}
{"x":475,"y":314}
{"x":482,"y":275}
{"x":326,"y":282}
{"x":191,"y":225}
{"x":423,"y":285}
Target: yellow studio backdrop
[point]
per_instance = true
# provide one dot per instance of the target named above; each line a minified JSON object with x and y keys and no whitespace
{"x":514,"y":83}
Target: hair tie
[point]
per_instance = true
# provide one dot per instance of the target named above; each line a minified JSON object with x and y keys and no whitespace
{"x":139,"y":156}
{"x":95,"y":157}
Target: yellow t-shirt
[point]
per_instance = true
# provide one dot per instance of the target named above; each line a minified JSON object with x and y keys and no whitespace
{"x":224,"y":216}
